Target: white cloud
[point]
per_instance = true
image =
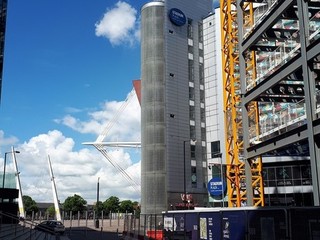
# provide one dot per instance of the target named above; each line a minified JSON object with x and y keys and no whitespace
{"x":126,"y":128}
{"x":119,"y":25}
{"x":73,"y":110}
{"x":7,"y":140}
{"x":77,"y":171}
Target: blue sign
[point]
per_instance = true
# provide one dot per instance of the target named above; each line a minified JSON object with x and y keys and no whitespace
{"x":177,"y":17}
{"x":216,"y":186}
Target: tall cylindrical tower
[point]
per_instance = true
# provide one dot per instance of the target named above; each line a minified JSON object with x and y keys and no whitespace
{"x":153,"y":171}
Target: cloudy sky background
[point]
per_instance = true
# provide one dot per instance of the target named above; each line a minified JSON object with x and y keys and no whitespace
{"x":68,"y":69}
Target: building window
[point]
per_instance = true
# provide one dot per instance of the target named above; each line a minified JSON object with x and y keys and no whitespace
{"x":193,"y":151}
{"x":204,"y":153}
{"x":202,"y":97}
{"x":203,"y":114}
{"x":201,"y":73}
{"x":192,"y":132}
{"x":191,"y":93}
{"x":200,"y":29}
{"x":191,"y":70}
{"x":200,"y":52}
{"x":191,"y":112}
{"x":193,"y":176}
{"x":215,"y":149}
{"x":190,"y":28}
{"x":287,"y":176}
{"x":203,"y":134}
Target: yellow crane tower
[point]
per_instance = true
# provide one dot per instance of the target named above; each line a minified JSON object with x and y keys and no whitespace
{"x":235,"y":162}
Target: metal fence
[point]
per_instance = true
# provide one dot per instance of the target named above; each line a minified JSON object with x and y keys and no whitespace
{"x":143,"y":227}
{"x":247,"y":223}
{"x":111,"y":222}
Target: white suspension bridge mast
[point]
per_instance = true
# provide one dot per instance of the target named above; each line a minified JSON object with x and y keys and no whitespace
{"x":101,"y":145}
{"x":18,"y":183}
{"x":54,"y":191}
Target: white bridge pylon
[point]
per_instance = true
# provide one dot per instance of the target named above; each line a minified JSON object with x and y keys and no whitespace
{"x":102,"y":146}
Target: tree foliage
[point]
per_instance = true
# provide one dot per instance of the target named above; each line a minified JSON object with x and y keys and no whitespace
{"x":126,"y":206}
{"x":51,"y":211}
{"x":137,"y":209}
{"x":98,"y":207}
{"x":111,"y":204}
{"x":74,"y":203}
{"x":29,"y":205}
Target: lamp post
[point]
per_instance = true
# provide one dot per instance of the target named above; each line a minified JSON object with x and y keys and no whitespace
{"x":184,"y":171}
{"x":98,"y":190}
{"x":222,"y":180}
{"x":97,"y":215}
{"x":4,"y":166}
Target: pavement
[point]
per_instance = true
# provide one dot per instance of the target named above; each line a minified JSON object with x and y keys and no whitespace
{"x":90,"y":234}
{"x":86,"y":229}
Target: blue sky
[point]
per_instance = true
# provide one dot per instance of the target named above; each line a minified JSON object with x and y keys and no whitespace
{"x":68,"y":67}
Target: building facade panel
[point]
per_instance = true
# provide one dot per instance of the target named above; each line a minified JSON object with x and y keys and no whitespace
{"x":182,"y":108}
{"x":153,"y":174}
{"x":214,"y":102}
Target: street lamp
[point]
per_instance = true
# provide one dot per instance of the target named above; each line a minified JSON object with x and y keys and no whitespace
{"x":98,"y":190}
{"x":184,"y":171}
{"x":4,"y":166}
{"x":97,"y":205}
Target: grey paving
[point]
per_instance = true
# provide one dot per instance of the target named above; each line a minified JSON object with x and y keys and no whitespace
{"x":90,"y":234}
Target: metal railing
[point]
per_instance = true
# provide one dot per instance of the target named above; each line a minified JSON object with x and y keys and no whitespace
{"x":278,"y":120}
{"x":222,"y":223}
{"x":147,"y":226}
{"x":268,"y":62}
{"x":19,"y":226}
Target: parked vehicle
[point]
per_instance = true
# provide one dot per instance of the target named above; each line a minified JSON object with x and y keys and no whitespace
{"x":51,"y":226}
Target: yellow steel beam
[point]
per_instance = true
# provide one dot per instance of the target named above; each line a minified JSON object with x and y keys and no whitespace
{"x":232,"y":109}
{"x":253,"y":111}
{"x":231,"y":85}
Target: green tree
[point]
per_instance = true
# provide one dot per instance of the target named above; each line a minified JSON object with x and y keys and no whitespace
{"x":137,"y":209}
{"x":111,"y":204}
{"x":126,"y":206}
{"x":74,"y":203}
{"x":51,"y":211}
{"x":29,"y":205}
{"x":98,"y":207}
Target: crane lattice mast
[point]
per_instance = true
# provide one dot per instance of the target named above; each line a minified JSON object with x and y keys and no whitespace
{"x":235,"y":162}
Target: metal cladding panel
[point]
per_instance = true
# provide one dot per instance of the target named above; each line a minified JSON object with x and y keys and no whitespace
{"x":153,"y":199}
{"x":177,"y":52}
{"x":165,"y":103}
